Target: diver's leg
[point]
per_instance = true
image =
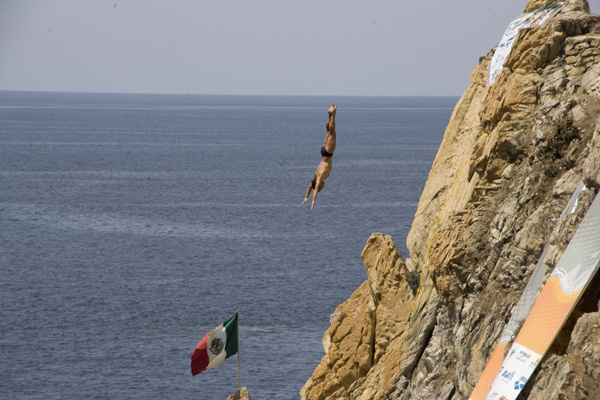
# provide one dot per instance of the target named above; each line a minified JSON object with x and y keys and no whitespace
{"x":329,"y":142}
{"x":330,"y":125}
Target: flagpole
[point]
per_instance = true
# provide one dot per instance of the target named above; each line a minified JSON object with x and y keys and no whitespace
{"x":237,"y":313}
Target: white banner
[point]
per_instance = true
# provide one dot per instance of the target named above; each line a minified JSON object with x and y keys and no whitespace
{"x":525,"y":21}
{"x":516,"y":369}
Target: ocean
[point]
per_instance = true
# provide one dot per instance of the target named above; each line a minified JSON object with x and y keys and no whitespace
{"x":131,"y":225}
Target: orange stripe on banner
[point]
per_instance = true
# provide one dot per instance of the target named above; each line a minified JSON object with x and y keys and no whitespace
{"x":546,"y":317}
{"x":489,"y":373}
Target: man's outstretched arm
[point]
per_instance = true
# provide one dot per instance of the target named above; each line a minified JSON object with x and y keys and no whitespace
{"x":317,"y":185}
{"x":307,"y":193}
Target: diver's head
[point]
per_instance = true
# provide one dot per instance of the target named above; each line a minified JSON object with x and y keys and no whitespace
{"x":313,"y":183}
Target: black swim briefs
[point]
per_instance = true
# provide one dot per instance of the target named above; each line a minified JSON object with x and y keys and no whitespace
{"x":325,"y":153}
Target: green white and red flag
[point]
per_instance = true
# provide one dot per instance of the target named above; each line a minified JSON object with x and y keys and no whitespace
{"x":218,"y":345}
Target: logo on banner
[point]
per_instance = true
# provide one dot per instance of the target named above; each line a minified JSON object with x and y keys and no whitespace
{"x":520,"y":383}
{"x":534,"y":363}
{"x":508,"y":375}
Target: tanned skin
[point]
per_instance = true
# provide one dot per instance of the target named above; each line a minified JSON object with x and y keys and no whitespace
{"x":324,"y":168}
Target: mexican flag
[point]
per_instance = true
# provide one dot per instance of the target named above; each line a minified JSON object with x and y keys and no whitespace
{"x":218,"y":345}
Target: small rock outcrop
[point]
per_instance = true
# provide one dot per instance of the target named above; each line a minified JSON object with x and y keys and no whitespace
{"x":512,"y":155}
{"x":241,"y":394}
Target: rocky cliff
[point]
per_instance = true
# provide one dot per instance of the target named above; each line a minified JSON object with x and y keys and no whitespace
{"x":512,"y":155}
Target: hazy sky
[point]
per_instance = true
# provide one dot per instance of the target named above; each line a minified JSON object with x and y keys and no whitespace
{"x":332,"y":47}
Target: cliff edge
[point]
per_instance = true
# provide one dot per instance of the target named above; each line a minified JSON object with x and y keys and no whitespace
{"x":512,"y":155}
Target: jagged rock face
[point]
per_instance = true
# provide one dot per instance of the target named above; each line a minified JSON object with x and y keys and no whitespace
{"x":362,"y":328}
{"x":511,"y":157}
{"x":348,"y":345}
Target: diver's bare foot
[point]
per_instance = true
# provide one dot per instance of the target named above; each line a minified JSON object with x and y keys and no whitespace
{"x":332,"y":109}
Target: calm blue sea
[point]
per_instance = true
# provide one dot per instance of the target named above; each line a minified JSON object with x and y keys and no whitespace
{"x":131,"y":225}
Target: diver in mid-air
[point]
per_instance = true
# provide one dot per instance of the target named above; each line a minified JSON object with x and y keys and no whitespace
{"x":324,"y":169}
